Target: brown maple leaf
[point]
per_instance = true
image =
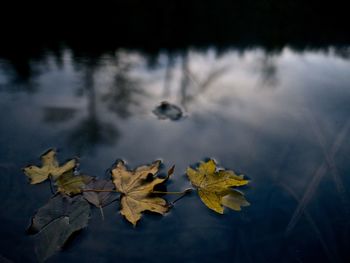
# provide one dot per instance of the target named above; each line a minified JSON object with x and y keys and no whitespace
{"x":136,"y":188}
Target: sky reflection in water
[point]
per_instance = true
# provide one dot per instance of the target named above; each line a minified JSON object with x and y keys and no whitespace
{"x":282,"y":119}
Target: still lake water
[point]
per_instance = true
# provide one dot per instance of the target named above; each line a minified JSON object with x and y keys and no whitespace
{"x":280,"y":118}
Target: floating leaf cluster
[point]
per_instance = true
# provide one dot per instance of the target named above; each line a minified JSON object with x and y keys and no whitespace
{"x":68,"y":211}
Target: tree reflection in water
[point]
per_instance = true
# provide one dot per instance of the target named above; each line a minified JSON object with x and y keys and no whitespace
{"x":269,"y":71}
{"x":91,"y":131}
{"x":21,"y":76}
{"x":192,"y":86}
{"x":124,"y":94}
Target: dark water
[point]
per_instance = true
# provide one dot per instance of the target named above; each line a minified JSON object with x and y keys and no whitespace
{"x":281,"y":118}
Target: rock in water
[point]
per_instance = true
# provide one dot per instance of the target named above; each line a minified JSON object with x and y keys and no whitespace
{"x":167,"y":110}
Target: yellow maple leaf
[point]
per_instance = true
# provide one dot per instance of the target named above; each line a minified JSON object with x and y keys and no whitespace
{"x":71,"y":184}
{"x":136,"y":188}
{"x":214,"y":187}
{"x":50,"y":167}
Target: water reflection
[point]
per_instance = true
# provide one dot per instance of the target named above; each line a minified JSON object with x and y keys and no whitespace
{"x":195,"y":82}
{"x":280,"y":118}
{"x":20,"y":76}
{"x":125,"y":92}
{"x":269,"y":72}
{"x":91,"y":131}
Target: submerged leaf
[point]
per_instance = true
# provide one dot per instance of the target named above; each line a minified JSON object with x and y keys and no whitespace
{"x":168,"y":111}
{"x":136,"y":188}
{"x":71,"y":184}
{"x":99,"y":199}
{"x":99,"y":193}
{"x":214,"y":187}
{"x":52,"y":238}
{"x":57,"y":207}
{"x":54,"y":235}
{"x":50,"y":167}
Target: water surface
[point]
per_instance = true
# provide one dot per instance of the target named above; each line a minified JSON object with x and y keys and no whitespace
{"x":280,"y":118}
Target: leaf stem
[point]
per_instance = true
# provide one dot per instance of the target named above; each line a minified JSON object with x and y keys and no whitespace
{"x":51,"y":186}
{"x":182,"y":196}
{"x":102,"y":214}
{"x":172,"y":193}
{"x":153,"y":192}
{"x":167,"y":193}
{"x":99,"y":190}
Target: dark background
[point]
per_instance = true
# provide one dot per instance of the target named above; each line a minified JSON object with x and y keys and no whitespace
{"x":93,"y":29}
{"x":152,"y":25}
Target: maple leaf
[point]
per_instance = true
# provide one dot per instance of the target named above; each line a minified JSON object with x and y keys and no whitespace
{"x":101,"y":197}
{"x":71,"y":184}
{"x":136,"y":188}
{"x":214,"y":187}
{"x":100,"y":193}
{"x":50,"y":167}
{"x":57,"y":221}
